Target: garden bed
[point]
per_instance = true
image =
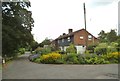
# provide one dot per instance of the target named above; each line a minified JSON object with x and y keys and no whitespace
{"x":56,"y":58}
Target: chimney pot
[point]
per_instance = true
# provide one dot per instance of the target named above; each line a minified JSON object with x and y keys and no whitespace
{"x":64,"y":34}
{"x":70,"y":30}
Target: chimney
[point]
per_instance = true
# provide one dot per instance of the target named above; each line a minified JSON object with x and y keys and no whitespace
{"x":70,"y":30}
{"x":64,"y":34}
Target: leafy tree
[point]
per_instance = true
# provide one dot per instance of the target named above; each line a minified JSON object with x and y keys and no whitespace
{"x":107,"y":37}
{"x":112,"y":36}
{"x":34,"y":45}
{"x":17,"y":24}
{"x":45,"y":42}
{"x":102,"y":36}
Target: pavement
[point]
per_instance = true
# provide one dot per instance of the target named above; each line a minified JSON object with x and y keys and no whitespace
{"x":22,"y":68}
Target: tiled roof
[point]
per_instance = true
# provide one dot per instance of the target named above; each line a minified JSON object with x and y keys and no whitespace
{"x":64,"y":36}
{"x":72,"y":33}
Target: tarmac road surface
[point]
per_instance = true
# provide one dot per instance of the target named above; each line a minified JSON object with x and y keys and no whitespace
{"x":22,"y":68}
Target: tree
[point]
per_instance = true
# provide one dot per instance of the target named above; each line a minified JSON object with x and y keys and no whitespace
{"x":102,"y":36}
{"x":107,"y":37}
{"x":112,"y":36}
{"x":34,"y":45}
{"x":17,"y":24}
{"x":45,"y":42}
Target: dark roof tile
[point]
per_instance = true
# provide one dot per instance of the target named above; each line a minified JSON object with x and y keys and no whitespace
{"x":71,"y":34}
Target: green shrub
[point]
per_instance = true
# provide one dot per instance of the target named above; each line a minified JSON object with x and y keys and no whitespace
{"x":96,"y":60}
{"x":40,"y":50}
{"x":33,"y":52}
{"x":91,"y":59}
{"x":112,"y":57}
{"x":59,"y":61}
{"x":90,"y":48}
{"x":21,"y":50}
{"x":71,"y":49}
{"x":104,"y":48}
{"x":101,"y":49}
{"x":81,"y":59}
{"x":112,"y":47}
{"x":71,"y":58}
{"x":33,"y":59}
{"x":37,"y":60}
{"x":87,"y":52}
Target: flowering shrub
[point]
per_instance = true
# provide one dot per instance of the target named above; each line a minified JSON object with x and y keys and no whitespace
{"x":103,"y":59}
{"x":112,"y":57}
{"x":56,"y":58}
{"x":50,"y":58}
{"x":116,"y":54}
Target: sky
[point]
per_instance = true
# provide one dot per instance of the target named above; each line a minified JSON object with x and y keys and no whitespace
{"x":54,"y":17}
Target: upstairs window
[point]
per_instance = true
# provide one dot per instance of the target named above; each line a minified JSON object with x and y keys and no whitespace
{"x":81,"y":37}
{"x":68,"y":38}
{"x":89,"y":37}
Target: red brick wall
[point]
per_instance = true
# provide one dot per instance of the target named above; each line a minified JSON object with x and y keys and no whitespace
{"x":78,"y":41}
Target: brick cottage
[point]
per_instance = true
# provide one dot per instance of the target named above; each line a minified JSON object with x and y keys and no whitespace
{"x":80,"y":38}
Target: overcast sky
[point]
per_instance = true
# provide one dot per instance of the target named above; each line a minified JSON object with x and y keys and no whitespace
{"x":54,"y":17}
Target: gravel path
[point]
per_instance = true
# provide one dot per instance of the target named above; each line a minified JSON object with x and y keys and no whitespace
{"x":22,"y":68}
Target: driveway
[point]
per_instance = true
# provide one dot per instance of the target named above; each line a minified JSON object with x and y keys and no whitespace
{"x":22,"y":68}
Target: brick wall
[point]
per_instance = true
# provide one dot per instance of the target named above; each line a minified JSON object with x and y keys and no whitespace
{"x":84,"y":34}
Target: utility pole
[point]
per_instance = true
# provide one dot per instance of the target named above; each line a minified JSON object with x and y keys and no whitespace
{"x":86,"y":37}
{"x":84,"y":15}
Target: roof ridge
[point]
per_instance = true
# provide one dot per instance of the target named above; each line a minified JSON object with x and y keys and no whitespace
{"x":72,"y":33}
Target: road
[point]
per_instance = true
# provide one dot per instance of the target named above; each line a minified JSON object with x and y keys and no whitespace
{"x":22,"y":68}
